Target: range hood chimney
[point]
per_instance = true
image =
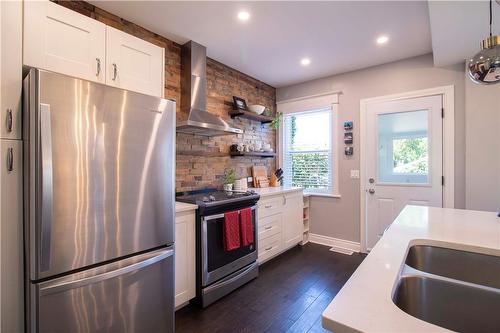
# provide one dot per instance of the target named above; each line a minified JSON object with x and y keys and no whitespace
{"x":195,"y":117}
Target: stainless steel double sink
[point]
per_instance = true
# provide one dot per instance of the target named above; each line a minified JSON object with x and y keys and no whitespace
{"x":454,"y":289}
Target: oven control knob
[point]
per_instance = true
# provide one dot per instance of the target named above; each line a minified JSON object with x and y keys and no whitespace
{"x":212,"y":198}
{"x":205,"y":199}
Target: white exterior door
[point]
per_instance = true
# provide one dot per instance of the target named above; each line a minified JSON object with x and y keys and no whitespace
{"x":133,"y":63}
{"x":404,"y":159}
{"x":63,"y":41}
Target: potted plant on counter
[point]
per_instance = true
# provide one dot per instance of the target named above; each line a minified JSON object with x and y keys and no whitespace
{"x":229,"y":179}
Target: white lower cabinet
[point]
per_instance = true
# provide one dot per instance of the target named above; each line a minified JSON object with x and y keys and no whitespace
{"x":292,"y":216}
{"x":185,"y":258}
{"x":11,"y":231}
{"x":279,"y":224}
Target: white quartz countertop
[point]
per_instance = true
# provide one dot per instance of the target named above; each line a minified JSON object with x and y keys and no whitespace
{"x":270,"y":191}
{"x":184,"y":207}
{"x":364,"y":304}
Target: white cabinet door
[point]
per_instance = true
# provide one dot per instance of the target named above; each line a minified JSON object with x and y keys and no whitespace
{"x":61,"y":40}
{"x":12,"y":69}
{"x":292,"y":219}
{"x":185,"y":260}
{"x":11,"y":222}
{"x":133,"y":63}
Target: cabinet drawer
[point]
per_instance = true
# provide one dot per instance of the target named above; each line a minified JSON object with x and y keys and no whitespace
{"x":269,"y":247}
{"x":270,"y":206}
{"x":269,"y":226}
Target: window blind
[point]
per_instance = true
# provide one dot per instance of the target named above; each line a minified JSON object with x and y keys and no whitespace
{"x":307,"y":153}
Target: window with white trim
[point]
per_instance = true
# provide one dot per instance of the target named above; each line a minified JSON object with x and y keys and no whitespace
{"x":308,"y":150}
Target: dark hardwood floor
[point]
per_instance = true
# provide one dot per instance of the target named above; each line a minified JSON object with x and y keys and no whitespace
{"x":289,"y":295}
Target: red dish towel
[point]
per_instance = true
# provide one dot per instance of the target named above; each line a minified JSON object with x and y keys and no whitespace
{"x":246,"y":226}
{"x":231,"y":231}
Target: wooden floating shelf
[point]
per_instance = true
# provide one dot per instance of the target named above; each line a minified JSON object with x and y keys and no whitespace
{"x":252,"y":154}
{"x":250,"y":115}
{"x":201,"y":153}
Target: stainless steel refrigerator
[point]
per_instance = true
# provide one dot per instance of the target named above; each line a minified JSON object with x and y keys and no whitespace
{"x":99,"y":207}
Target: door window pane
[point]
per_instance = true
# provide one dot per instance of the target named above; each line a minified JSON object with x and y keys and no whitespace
{"x":403,"y":154}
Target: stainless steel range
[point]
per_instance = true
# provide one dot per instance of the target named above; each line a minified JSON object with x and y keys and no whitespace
{"x":218,"y":272}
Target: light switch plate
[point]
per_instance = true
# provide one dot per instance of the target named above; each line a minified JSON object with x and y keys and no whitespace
{"x":249,"y":179}
{"x":355,"y":174}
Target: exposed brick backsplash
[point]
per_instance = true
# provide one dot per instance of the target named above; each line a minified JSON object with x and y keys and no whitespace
{"x":205,"y":167}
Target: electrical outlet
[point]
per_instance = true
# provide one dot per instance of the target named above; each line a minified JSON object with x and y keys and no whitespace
{"x":355,"y":174}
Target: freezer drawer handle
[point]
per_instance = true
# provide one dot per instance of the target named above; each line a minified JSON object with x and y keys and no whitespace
{"x":10,"y":159}
{"x":46,"y":177}
{"x":58,"y":287}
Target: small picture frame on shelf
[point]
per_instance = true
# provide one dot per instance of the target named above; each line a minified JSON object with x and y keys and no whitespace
{"x":239,"y":103}
{"x":348,"y":138}
{"x":348,"y":125}
{"x":349,"y":151}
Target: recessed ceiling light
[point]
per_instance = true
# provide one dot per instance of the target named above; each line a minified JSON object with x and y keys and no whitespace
{"x":243,"y":16}
{"x":305,"y":62}
{"x":382,"y":40}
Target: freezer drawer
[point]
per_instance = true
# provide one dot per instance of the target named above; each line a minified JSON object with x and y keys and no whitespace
{"x":132,"y":295}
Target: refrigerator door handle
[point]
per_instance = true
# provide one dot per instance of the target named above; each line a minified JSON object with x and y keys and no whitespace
{"x":58,"y":287}
{"x":46,"y":184}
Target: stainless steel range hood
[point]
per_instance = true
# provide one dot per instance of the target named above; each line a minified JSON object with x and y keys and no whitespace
{"x":195,"y":117}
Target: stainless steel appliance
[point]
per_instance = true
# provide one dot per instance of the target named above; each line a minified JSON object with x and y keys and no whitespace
{"x":218,"y":272}
{"x":194,"y":118}
{"x":99,"y":207}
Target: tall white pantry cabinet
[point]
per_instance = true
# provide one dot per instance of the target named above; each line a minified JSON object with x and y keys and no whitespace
{"x":11,"y":178}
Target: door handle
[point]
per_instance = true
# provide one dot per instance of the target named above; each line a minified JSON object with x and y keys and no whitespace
{"x":115,"y":72}
{"x":267,"y":228}
{"x":371,"y":191}
{"x":58,"y":287}
{"x":46,"y":188}
{"x":9,"y":121}
{"x":10,"y":159}
{"x":98,"y":71}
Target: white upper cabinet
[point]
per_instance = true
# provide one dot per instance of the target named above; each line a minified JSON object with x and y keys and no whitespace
{"x":64,"y":41}
{"x":133,"y":63}
{"x":11,"y":56}
{"x":61,"y":40}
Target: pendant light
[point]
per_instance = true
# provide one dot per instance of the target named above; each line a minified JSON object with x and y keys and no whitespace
{"x":484,"y":67}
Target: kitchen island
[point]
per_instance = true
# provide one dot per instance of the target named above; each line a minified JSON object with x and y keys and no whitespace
{"x":365,"y":303}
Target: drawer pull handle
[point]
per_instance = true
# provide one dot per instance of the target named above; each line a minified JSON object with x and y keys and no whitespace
{"x":267,"y":228}
{"x":10,"y":159}
{"x":268,"y":206}
{"x":268,"y":248}
{"x":9,"y":120}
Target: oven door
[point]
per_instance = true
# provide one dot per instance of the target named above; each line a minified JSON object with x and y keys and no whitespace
{"x":216,"y":262}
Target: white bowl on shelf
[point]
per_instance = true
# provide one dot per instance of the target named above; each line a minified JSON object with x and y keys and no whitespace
{"x":258,"y":109}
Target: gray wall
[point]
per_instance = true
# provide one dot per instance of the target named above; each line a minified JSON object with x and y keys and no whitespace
{"x":482,"y":118}
{"x":339,"y":218}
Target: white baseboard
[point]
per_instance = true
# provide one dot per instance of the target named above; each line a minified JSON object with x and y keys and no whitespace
{"x":335,"y":242}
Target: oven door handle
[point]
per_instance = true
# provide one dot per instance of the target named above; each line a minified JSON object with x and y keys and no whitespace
{"x":219,"y":216}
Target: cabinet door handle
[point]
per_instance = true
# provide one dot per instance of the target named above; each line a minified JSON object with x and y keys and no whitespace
{"x":268,"y":248}
{"x":98,"y":71}
{"x":9,"y":121}
{"x":268,"y":206}
{"x":115,"y":72}
{"x":267,"y":228}
{"x":10,"y":159}
{"x":284,"y":200}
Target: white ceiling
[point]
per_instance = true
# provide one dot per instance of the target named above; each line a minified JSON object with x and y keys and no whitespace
{"x":337,"y":36}
{"x":458,"y":27}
